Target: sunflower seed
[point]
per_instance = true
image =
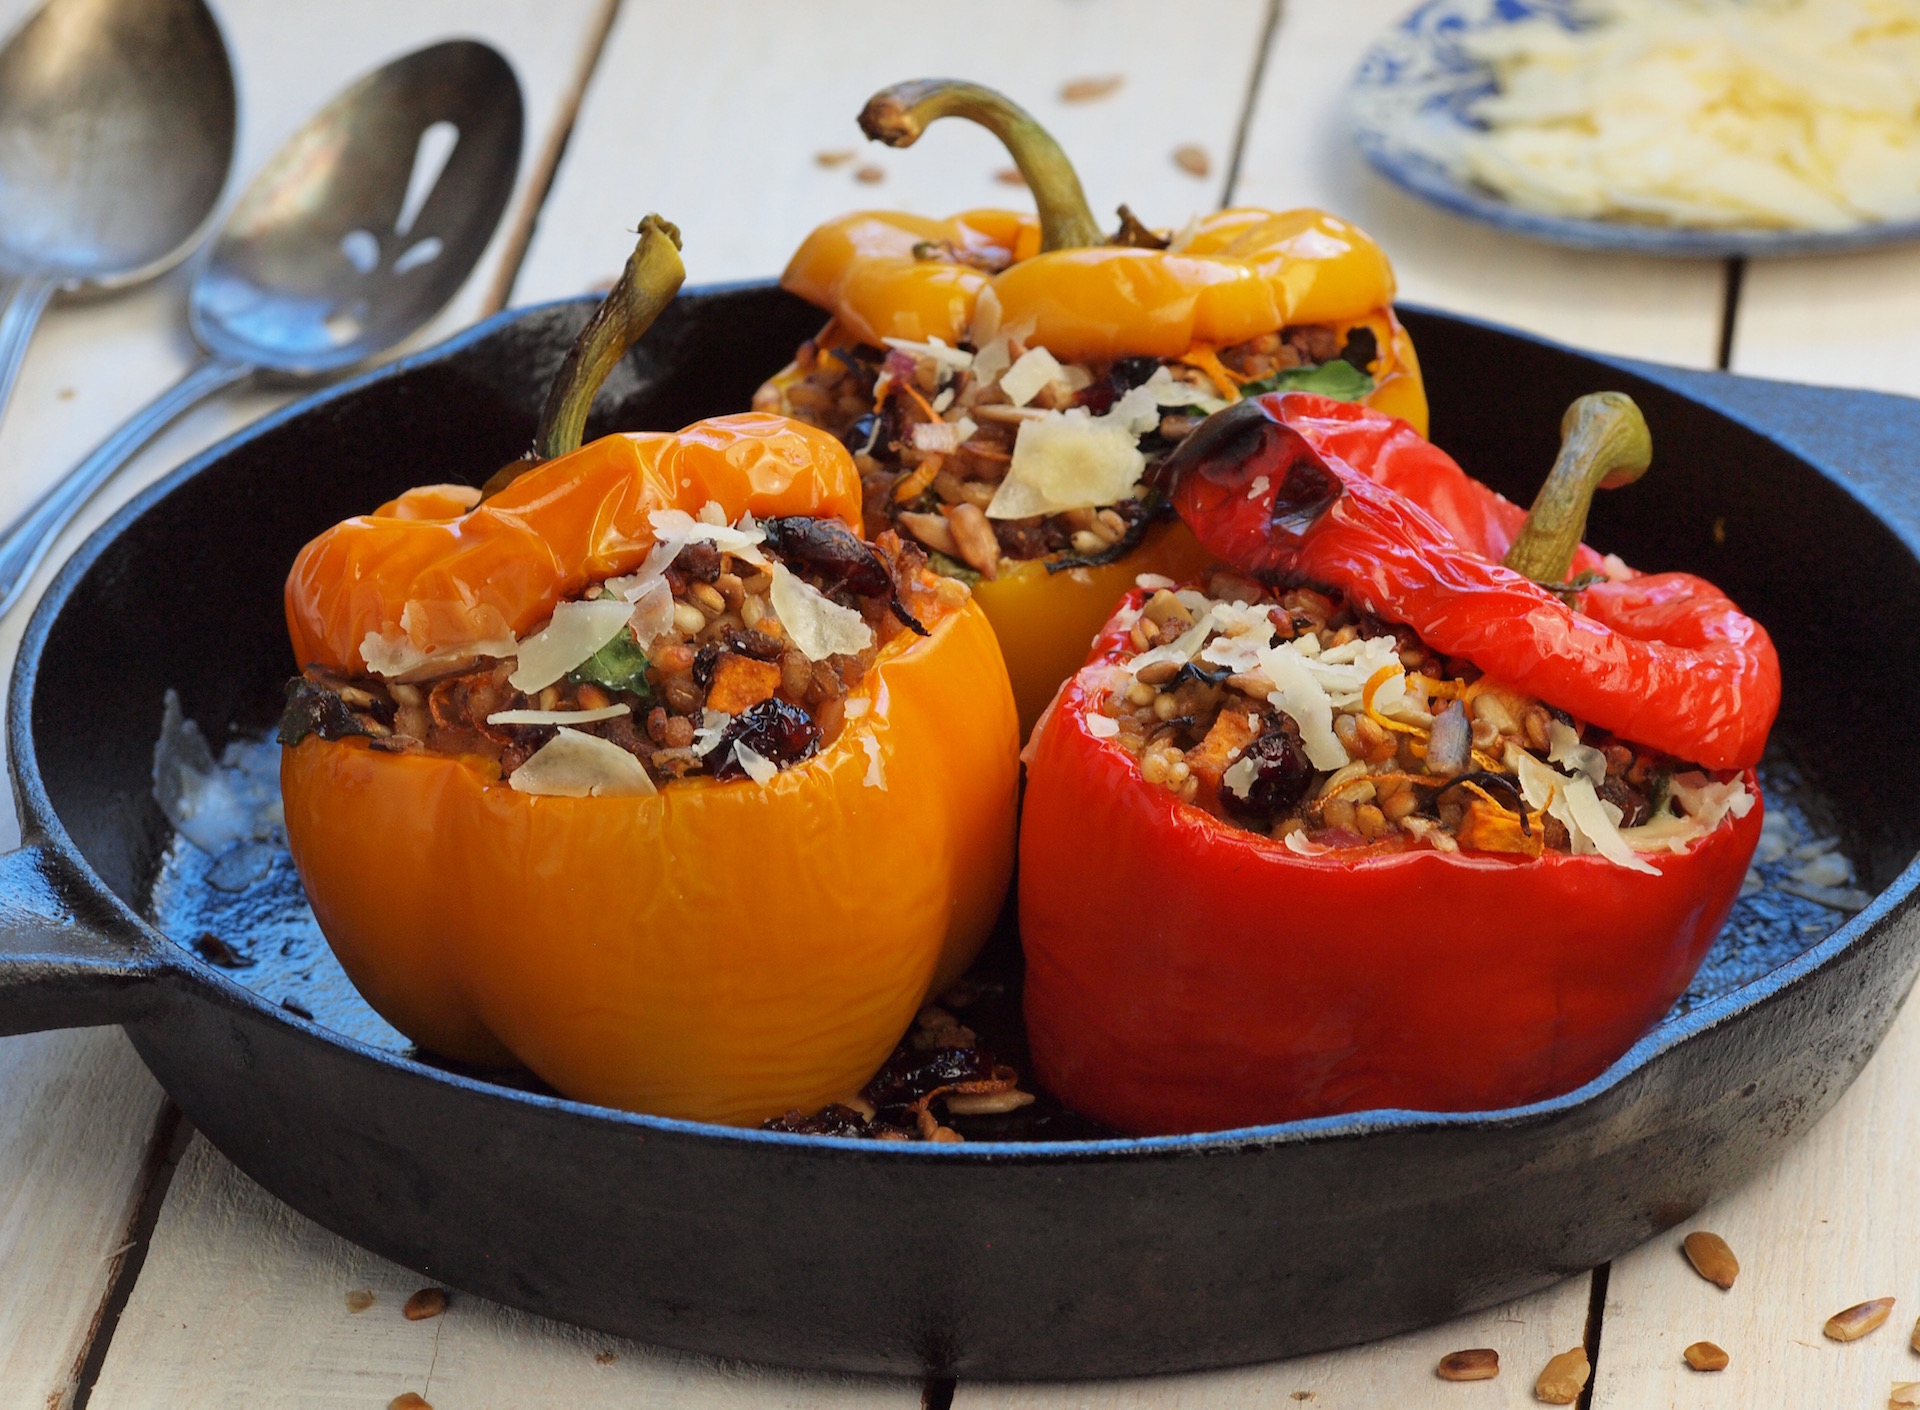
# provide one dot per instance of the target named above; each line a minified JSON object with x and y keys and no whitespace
{"x":428,"y":1302}
{"x":1705,"y":1356}
{"x":1479,"y":1364}
{"x":1859,"y":1319}
{"x":1711,"y":1258}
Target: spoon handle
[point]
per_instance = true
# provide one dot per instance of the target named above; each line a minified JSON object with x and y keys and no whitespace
{"x":25,"y":542}
{"x":21,"y":301}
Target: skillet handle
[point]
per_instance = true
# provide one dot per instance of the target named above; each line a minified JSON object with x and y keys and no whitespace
{"x":58,"y":968}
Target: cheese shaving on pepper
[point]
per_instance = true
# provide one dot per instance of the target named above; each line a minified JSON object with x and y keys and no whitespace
{"x":578,"y":629}
{"x":576,"y":765}
{"x":815,"y":623}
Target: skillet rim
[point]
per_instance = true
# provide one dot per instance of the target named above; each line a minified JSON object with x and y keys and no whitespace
{"x":167,"y":960}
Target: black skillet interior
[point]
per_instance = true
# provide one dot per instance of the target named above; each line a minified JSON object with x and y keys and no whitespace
{"x":1136,"y":1259}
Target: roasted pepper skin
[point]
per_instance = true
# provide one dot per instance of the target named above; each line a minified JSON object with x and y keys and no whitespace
{"x":1662,"y":659}
{"x":717,"y":951}
{"x":1185,"y":975}
{"x":1240,"y":273}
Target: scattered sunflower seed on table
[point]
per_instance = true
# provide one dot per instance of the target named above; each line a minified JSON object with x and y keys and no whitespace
{"x":1478,"y":1364}
{"x":1711,"y":1258}
{"x":1859,"y":1319}
{"x":1705,"y":1356}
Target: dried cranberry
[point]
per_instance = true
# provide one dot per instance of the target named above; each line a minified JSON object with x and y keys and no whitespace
{"x":839,"y":558}
{"x":909,"y":1076}
{"x":1282,"y":775}
{"x":834,"y":1120}
{"x":1632,"y":803}
{"x":704,"y":661}
{"x":773,"y":729}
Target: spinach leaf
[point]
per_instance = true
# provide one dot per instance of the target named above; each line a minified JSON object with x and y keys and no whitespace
{"x":1339,"y":380}
{"x":951,"y":567}
{"x":619,"y":665}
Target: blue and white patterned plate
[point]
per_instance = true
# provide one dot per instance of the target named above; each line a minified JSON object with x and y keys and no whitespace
{"x":1410,"y":100}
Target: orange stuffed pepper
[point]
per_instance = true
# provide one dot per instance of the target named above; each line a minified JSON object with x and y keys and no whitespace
{"x":1007,"y":382}
{"x":647,"y":772}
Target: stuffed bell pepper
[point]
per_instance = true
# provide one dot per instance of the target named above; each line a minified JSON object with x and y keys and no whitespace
{"x":1423,"y":805}
{"x":1007,"y":382}
{"x":645,"y":770}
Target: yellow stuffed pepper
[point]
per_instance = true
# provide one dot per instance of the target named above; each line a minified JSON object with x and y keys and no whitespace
{"x":647,"y":772}
{"x":1007,"y":383}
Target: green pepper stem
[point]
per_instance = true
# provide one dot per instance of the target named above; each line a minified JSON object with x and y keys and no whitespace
{"x":647,"y":285}
{"x":898,"y":115}
{"x":1604,"y":444}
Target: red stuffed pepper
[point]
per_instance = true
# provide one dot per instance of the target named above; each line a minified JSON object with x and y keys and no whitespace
{"x":1427,"y":805}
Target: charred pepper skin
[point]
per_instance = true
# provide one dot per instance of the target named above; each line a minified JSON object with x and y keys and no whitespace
{"x":721,"y":950}
{"x":1186,"y":975}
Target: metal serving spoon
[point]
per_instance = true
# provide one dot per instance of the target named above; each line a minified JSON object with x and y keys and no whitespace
{"x":356,"y":234}
{"x":116,"y":136}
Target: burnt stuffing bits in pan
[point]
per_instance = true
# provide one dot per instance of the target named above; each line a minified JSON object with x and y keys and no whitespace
{"x":938,"y":1069}
{"x":705,"y":680}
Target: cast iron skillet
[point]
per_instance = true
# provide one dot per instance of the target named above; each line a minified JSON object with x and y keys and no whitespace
{"x":1022,"y":1261}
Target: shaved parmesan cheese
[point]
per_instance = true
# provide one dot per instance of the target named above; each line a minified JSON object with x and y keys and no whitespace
{"x":1303,"y":700}
{"x":991,"y":362}
{"x":1297,"y":843}
{"x":743,"y":541}
{"x":558,"y":717}
{"x":1168,"y":390}
{"x":576,"y":765}
{"x":1152,"y":582}
{"x":935,"y":349}
{"x":578,"y":629}
{"x":1700,"y":797}
{"x":986,"y":318}
{"x":1592,"y":826}
{"x":1571,"y":754}
{"x":937,"y":437}
{"x":1101,"y":726}
{"x":1022,"y":381}
{"x":1600,"y":828}
{"x":1180,"y":650}
{"x":816,"y":624}
{"x":1069,"y":460}
{"x":943,"y":401}
{"x":652,"y":612}
{"x":1258,"y":487}
{"x":1239,"y":777}
{"x":759,"y":768}
{"x":403,"y":653}
{"x":876,"y":776}
{"x":713,"y":724}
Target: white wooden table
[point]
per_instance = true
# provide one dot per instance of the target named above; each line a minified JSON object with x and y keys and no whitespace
{"x":139,"y":1268}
